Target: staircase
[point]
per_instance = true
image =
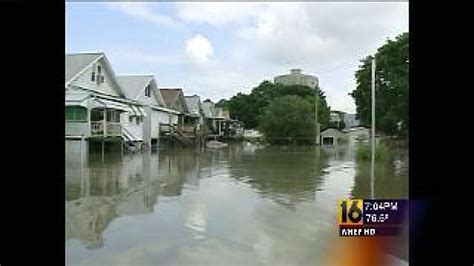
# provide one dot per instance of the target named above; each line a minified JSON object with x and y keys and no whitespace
{"x":180,"y":137}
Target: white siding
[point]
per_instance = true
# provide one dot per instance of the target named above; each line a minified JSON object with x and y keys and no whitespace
{"x":132,"y":127}
{"x":158,"y":117}
{"x":84,"y":80}
{"x":77,"y":128}
{"x":142,"y":98}
{"x":174,"y":119}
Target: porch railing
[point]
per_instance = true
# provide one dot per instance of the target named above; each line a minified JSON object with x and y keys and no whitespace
{"x":112,"y":129}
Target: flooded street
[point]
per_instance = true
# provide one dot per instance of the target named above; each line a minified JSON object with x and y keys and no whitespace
{"x":241,"y":205}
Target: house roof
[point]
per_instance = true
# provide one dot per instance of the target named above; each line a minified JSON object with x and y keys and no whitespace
{"x":173,"y":95}
{"x":331,"y":132}
{"x":75,"y":63}
{"x":133,"y":85}
{"x":207,"y":109}
{"x":194,"y":104}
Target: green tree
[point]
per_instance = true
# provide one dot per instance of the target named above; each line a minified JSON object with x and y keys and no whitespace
{"x":288,"y":118}
{"x":391,"y":88}
{"x":249,"y":107}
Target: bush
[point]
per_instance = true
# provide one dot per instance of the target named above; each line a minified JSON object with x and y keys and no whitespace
{"x":363,"y":152}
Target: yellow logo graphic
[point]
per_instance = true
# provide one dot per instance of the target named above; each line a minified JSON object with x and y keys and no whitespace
{"x":349,"y":212}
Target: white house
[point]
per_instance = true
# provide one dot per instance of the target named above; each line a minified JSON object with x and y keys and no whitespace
{"x":94,"y":101}
{"x":143,"y":89}
{"x":195,"y":109}
{"x":174,"y":99}
{"x":331,"y":137}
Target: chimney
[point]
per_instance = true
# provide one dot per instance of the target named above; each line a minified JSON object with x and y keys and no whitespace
{"x":295,"y":71}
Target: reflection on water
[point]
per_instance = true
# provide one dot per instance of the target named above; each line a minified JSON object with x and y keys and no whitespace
{"x":244,"y":204}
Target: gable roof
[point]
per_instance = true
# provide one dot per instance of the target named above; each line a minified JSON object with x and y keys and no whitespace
{"x":173,"y":95}
{"x":194,"y":104}
{"x":208,"y":109}
{"x":77,"y":63}
{"x":330,"y":132}
{"x":133,"y":85}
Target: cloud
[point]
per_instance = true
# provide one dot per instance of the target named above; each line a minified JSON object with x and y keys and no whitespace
{"x":142,"y":10}
{"x":218,"y":13}
{"x":199,"y":49}
{"x":320,"y":33}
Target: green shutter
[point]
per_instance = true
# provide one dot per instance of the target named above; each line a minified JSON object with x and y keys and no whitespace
{"x":75,"y":113}
{"x":81,"y":114}
{"x":69,"y":113}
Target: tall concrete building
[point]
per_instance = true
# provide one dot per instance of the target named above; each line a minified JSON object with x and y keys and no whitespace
{"x":297,"y":78}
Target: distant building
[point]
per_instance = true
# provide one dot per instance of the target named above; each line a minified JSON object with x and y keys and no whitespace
{"x":331,"y":137}
{"x":350,"y":121}
{"x":297,"y":78}
{"x":335,"y":116}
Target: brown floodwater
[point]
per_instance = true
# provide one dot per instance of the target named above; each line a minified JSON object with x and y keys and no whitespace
{"x":244,"y":204}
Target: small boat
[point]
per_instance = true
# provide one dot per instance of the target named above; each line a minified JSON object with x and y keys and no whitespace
{"x":214,"y":144}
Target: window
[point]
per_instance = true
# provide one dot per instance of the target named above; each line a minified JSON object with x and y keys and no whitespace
{"x":130,"y":119}
{"x":93,"y":76}
{"x":76,"y":113}
{"x":147,"y":91}
{"x":113,"y":116}
{"x":139,"y":120}
{"x":99,"y":75}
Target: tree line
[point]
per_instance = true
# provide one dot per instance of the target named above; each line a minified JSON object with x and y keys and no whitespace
{"x":282,"y":113}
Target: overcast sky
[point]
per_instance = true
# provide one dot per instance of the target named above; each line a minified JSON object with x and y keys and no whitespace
{"x":218,"y":49}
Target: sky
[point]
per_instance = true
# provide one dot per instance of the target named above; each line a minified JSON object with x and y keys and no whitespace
{"x":217,"y":49}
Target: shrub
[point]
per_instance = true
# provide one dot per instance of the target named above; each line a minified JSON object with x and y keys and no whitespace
{"x":363,"y":152}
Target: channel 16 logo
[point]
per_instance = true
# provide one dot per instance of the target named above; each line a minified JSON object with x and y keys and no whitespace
{"x":349,"y":212}
{"x":370,"y":217}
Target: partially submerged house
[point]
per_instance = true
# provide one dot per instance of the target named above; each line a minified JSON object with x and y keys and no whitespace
{"x":196,"y":115}
{"x":331,"y":137}
{"x":219,"y":122}
{"x":143,"y":89}
{"x":174,"y":99}
{"x":95,"y":101}
{"x":183,"y":128}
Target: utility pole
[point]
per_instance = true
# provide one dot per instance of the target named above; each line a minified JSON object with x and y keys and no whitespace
{"x":316,"y":116}
{"x":372,"y":172}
